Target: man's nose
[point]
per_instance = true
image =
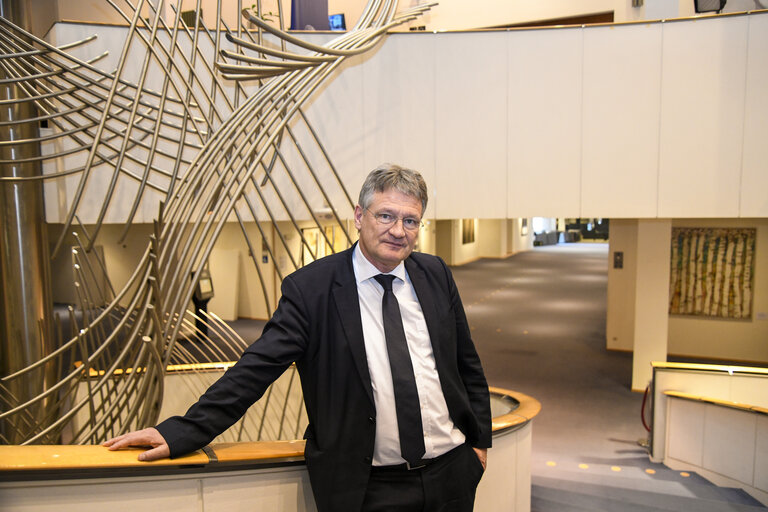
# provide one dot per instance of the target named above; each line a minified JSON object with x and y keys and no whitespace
{"x":397,"y":228}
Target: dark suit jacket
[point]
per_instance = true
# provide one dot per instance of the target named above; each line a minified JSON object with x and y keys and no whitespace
{"x":317,"y":324}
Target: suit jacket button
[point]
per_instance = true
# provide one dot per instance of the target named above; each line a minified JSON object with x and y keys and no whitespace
{"x":371,"y":419}
{"x":368,"y":459}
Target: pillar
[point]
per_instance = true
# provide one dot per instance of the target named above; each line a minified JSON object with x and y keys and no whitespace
{"x":651,"y":298}
{"x":25,"y":301}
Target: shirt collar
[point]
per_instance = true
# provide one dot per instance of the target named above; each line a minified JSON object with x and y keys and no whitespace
{"x":365,"y":270}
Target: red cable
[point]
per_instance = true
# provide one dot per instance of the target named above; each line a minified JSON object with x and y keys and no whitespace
{"x":642,"y":408}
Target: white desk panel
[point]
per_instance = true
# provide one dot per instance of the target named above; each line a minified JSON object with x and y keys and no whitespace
{"x":754,"y":178}
{"x":702,"y":107}
{"x":729,"y":442}
{"x":470,"y":125}
{"x":544,"y":144}
{"x":622,"y":78}
{"x":685,"y":430}
{"x":399,"y":102}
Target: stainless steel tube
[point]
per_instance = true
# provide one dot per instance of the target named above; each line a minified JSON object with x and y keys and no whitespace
{"x":25,"y":301}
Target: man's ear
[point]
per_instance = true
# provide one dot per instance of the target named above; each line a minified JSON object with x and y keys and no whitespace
{"x":358,"y":217}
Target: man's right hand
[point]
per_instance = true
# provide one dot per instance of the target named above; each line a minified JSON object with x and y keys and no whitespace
{"x":149,"y":437}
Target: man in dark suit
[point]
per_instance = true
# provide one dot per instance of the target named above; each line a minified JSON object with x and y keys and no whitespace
{"x":367,"y":447}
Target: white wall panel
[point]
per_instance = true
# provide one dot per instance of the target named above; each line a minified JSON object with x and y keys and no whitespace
{"x":622,"y":76}
{"x":500,"y":126}
{"x":685,"y":430}
{"x":399,"y":103}
{"x":284,"y":489}
{"x":544,"y":131}
{"x":702,"y":107}
{"x":761,"y":454}
{"x":754,"y":180}
{"x":729,"y":442}
{"x":103,"y":494}
{"x":470,"y":125}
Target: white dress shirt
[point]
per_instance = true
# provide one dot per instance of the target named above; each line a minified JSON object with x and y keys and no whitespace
{"x":440,"y":434}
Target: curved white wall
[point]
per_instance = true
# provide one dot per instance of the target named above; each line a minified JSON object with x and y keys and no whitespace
{"x":634,"y":121}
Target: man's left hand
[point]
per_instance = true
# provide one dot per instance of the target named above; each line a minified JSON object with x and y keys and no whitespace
{"x":482,"y":454}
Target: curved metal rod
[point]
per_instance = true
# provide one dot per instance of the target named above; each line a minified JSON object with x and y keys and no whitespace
{"x":8,"y":28}
{"x":275,"y":53}
{"x":141,"y":270}
{"x":218,"y":179}
{"x":261,"y":154}
{"x":30,"y":53}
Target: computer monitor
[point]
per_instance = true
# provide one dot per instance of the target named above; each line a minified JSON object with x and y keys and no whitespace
{"x":337,"y":22}
{"x":709,"y":5}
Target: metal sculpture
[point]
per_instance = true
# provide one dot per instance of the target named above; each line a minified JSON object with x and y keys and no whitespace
{"x":210,"y":146}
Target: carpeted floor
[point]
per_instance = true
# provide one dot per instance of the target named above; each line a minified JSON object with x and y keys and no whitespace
{"x":538,"y":321}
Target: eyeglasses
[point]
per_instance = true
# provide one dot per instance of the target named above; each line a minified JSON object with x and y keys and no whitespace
{"x":387,"y":219}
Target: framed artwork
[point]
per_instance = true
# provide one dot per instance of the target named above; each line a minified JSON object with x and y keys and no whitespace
{"x":712,"y":272}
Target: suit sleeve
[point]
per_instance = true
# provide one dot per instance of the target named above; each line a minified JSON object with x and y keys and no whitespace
{"x":470,"y":367}
{"x":283,"y":341}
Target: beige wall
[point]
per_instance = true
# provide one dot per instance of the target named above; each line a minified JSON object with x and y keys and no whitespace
{"x":121,"y":257}
{"x":740,"y":340}
{"x":427,"y":237}
{"x":519,"y":238}
{"x":494,"y":238}
{"x":449,"y":246}
{"x":448,"y":15}
{"x":100,"y":11}
{"x":620,"y":318}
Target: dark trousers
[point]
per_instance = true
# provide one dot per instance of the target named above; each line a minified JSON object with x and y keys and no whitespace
{"x":447,"y":485}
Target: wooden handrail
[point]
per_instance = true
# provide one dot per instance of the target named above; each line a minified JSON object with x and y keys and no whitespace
{"x":528,"y":407}
{"x":717,"y":401}
{"x":721,"y":368}
{"x":15,"y":459}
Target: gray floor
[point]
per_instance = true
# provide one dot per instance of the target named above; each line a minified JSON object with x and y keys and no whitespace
{"x":538,"y":321}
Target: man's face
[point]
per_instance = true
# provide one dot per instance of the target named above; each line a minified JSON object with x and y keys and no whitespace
{"x":387,"y":245}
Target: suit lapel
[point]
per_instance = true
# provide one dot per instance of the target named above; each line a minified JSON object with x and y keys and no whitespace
{"x":348,"y":308}
{"x":425,"y":293}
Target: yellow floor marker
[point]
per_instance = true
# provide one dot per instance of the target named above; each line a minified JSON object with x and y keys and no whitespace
{"x":615,"y":469}
{"x":551,"y":463}
{"x":583,"y":466}
{"x":650,"y":471}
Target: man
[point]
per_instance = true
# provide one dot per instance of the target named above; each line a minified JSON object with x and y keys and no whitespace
{"x":410,"y":435}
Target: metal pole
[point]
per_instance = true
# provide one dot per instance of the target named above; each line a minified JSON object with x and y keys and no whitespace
{"x":25,"y":301}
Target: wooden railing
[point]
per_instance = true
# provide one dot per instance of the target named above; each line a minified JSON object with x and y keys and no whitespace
{"x":68,"y":458}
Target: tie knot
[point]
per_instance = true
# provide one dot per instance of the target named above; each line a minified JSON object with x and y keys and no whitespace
{"x":385,"y":280}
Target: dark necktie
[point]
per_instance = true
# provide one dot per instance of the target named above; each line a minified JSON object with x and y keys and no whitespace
{"x":406,"y":395}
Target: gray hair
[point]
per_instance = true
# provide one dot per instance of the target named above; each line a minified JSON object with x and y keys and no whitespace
{"x":391,"y":176}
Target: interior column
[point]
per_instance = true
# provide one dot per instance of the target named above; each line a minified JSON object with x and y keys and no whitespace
{"x":651,"y":298}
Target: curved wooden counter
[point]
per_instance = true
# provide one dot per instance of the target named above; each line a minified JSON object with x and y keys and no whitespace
{"x":15,"y":460}
{"x":224,"y":476}
{"x":527,"y":408}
